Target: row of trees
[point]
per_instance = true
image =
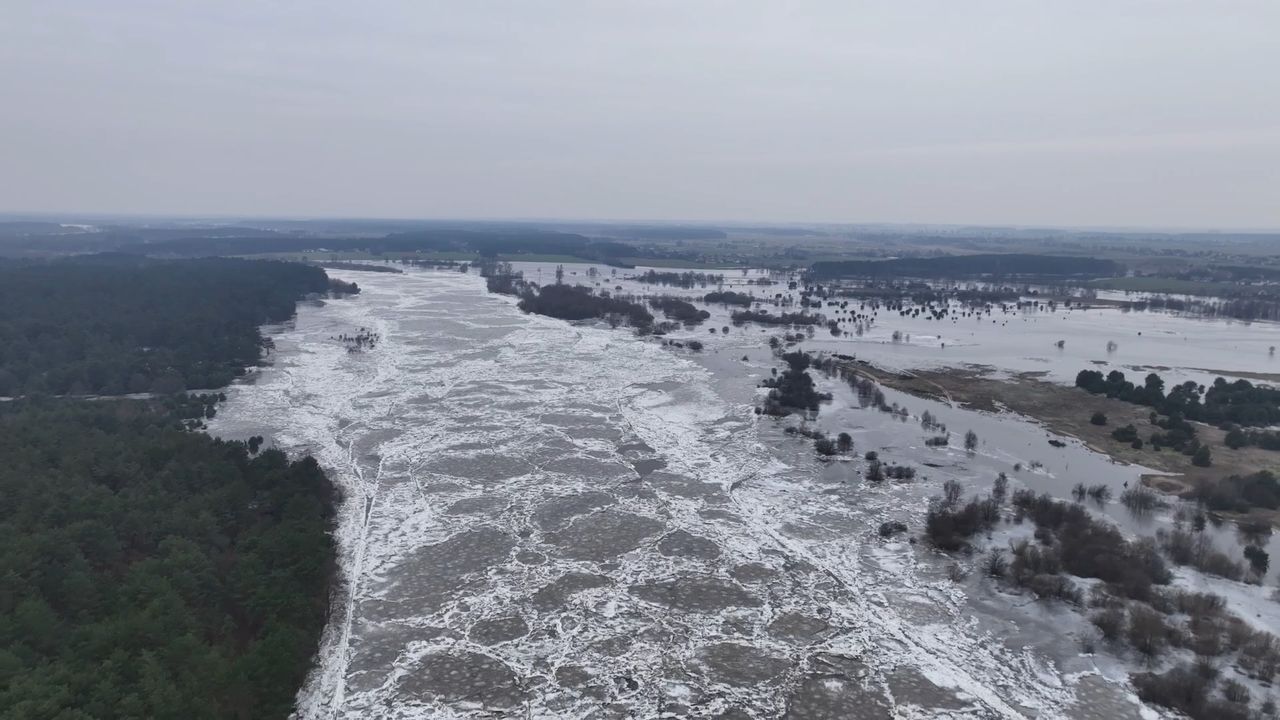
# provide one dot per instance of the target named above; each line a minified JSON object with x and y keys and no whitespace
{"x":1222,"y":403}
{"x":728,"y":297}
{"x":764,"y":317}
{"x":680,"y":279}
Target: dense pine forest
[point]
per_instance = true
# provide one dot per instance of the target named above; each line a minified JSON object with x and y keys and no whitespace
{"x":113,"y":325}
{"x":148,"y":570}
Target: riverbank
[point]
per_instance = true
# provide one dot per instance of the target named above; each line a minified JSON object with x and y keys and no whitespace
{"x":1067,"y":410}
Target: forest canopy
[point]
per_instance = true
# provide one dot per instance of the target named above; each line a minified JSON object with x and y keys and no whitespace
{"x":579,"y":303}
{"x":151,"y":572}
{"x":111,"y":325}
{"x":1239,"y":401}
{"x":148,"y":571}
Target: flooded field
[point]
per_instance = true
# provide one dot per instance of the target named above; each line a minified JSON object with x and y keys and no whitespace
{"x":545,"y":520}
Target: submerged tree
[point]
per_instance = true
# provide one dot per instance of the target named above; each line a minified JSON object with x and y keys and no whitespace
{"x":793,"y":389}
{"x":844,"y":442}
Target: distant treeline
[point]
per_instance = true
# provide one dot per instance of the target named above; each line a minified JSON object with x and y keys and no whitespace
{"x":485,"y":244}
{"x":663,"y":232}
{"x":119,"y":324}
{"x":604,"y":243}
{"x":728,"y":297}
{"x":684,"y":279}
{"x":359,"y":267}
{"x":1232,"y":273}
{"x":42,"y":239}
{"x":1262,"y":306}
{"x":764,"y":317}
{"x":922,"y":294}
{"x":994,"y":266}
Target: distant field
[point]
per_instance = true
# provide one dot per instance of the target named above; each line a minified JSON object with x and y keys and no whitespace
{"x":669,"y":263}
{"x":472,"y":257}
{"x":1166,"y":285}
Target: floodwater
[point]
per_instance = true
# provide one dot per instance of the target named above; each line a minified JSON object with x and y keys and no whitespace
{"x":544,"y":520}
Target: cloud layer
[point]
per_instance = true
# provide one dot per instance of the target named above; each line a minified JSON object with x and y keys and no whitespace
{"x":991,"y":111}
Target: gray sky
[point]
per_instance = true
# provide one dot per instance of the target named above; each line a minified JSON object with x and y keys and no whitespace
{"x":1070,"y":112}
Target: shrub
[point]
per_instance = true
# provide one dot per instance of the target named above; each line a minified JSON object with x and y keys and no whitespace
{"x":900,"y":472}
{"x":1147,"y":632}
{"x":949,"y":528}
{"x":1110,"y":623}
{"x":1098,"y":419}
{"x":844,"y":442}
{"x":1258,"y":559}
{"x":1139,"y":499}
{"x":1054,"y":587}
{"x":1235,"y":692}
{"x":1202,"y":457}
{"x":1126,"y":434}
{"x":1198,"y":604}
{"x":1235,"y":439}
{"x":1185,"y":548}
{"x":996,"y":564}
{"x":951,"y":492}
{"x":1179,"y":689}
{"x":1092,"y":548}
{"x":1000,"y":489}
{"x":891,"y":528}
{"x":1239,"y":493}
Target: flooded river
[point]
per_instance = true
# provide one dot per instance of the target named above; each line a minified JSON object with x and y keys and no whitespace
{"x":544,"y":520}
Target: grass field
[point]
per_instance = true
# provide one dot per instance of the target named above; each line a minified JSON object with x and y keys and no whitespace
{"x":1166,"y":285}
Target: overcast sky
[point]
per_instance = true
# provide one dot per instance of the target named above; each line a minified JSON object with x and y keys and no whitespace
{"x":1071,"y":112}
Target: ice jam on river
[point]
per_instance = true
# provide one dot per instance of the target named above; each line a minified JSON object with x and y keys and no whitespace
{"x":544,"y":520}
